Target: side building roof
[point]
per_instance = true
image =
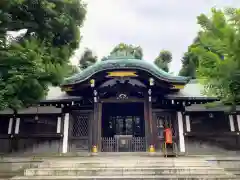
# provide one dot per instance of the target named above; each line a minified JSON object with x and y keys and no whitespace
{"x":54,"y":95}
{"x":192,"y":90}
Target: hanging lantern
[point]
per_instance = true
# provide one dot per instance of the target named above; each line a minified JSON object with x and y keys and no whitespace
{"x":92,"y":82}
{"x":151,"y":81}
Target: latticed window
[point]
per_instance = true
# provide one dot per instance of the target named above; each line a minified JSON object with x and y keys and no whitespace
{"x":80,"y":124}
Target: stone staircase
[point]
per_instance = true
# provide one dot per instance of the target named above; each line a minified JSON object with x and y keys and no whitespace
{"x":125,"y":167}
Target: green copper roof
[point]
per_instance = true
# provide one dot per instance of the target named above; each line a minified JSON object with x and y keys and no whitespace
{"x":124,"y":63}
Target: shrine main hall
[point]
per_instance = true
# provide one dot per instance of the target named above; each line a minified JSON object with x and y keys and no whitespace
{"x":121,"y":104}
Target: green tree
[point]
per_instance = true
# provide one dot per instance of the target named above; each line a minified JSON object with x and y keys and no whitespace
{"x":39,"y":57}
{"x":87,"y":59}
{"x":218,"y":54}
{"x":189,"y":65}
{"x":136,"y":51}
{"x":190,"y":60}
{"x":163,"y":60}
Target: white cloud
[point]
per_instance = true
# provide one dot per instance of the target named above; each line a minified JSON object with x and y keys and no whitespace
{"x":152,"y":24}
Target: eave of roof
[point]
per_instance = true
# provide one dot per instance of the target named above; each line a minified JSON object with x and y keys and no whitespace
{"x":191,"y":91}
{"x":114,"y":64}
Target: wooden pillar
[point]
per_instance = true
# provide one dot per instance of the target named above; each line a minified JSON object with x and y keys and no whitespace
{"x":150,"y":118}
{"x":59,"y":122}
{"x":95,"y":122}
{"x":65,"y":133}
{"x":10,"y":131}
{"x":99,"y":125}
{"x":238,"y":121}
{"x":10,"y":125}
{"x":231,"y":123}
{"x":188,"y":125}
{"x":15,"y":139}
{"x":17,"y":125}
{"x":95,"y":128}
{"x":146,"y":120}
{"x":180,"y":131}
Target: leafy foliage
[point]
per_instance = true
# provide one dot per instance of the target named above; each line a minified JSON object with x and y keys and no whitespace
{"x":87,"y":59}
{"x":163,"y":60}
{"x":219,"y":54}
{"x":136,"y":51}
{"x":190,"y":60}
{"x":40,"y":56}
{"x":189,"y":65}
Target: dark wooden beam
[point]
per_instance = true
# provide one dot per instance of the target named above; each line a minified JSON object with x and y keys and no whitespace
{"x":146,"y":119}
{"x":40,"y":136}
{"x":114,"y":100}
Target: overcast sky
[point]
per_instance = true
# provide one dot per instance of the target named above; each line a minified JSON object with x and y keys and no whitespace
{"x":152,"y":24}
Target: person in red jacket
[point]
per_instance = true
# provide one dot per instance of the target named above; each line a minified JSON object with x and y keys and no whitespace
{"x":168,"y":141}
{"x":168,"y":135}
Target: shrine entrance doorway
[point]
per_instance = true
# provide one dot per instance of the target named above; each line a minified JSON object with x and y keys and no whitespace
{"x":123,"y":127}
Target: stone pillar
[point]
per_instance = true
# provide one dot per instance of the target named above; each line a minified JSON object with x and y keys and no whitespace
{"x":59,"y":122}
{"x":238,"y":121}
{"x":17,"y":125}
{"x":65,"y":133}
{"x":188,"y":124}
{"x":231,"y":123}
{"x":10,"y":125}
{"x":180,"y":131}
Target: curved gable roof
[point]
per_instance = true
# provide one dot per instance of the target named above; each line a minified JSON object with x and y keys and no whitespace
{"x":124,"y":63}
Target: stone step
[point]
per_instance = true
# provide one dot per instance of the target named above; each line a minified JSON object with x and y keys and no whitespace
{"x":122,"y":171}
{"x":135,"y":177}
{"x":113,"y":161}
{"x":116,"y":164}
{"x":126,"y":161}
{"x":129,"y":161}
{"x":135,"y":168}
{"x":150,"y":159}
